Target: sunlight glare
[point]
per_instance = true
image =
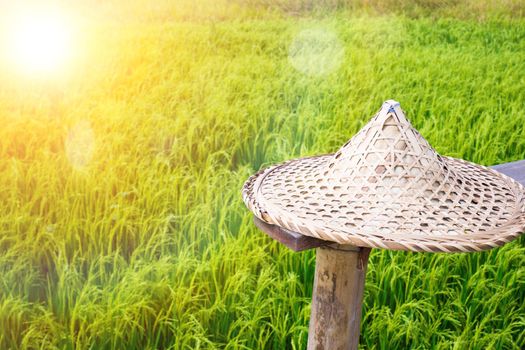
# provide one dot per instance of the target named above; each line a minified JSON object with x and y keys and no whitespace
{"x":40,"y":41}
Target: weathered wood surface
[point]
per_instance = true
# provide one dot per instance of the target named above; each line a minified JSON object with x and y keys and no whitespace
{"x":299,"y":242}
{"x":337,"y":297}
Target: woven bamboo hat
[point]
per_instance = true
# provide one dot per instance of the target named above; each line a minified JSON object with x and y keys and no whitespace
{"x":388,"y":188}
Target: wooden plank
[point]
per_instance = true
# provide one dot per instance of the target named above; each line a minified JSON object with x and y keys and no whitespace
{"x":516,"y":170}
{"x":293,"y":240}
{"x":299,"y":242}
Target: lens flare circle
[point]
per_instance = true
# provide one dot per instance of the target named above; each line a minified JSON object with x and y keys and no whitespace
{"x":80,"y":144}
{"x":316,"y":52}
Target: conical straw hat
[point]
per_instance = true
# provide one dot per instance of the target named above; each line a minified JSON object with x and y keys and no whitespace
{"x":388,"y":188}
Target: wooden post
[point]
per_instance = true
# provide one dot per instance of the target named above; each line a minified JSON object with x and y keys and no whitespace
{"x":337,"y":297}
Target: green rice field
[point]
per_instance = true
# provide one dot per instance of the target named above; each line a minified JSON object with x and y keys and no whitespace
{"x":121,"y":219}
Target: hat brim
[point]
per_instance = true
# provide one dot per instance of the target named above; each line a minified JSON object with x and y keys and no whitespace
{"x":481,"y":209}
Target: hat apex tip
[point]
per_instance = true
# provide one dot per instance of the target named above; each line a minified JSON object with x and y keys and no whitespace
{"x":390,"y":105}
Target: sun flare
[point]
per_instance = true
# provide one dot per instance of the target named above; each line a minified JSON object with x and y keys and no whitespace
{"x":39,"y":42}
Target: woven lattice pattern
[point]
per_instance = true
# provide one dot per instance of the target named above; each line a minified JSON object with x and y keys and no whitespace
{"x":388,"y":188}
